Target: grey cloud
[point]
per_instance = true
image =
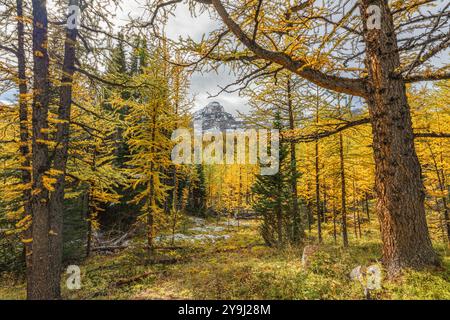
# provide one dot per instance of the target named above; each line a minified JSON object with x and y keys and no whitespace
{"x":182,"y":24}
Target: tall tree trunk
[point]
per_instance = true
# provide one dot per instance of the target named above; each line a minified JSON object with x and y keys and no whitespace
{"x":151,"y":199}
{"x":318,"y":206}
{"x":355,"y":224}
{"x":444,"y":198}
{"x":279,"y":225}
{"x":41,"y":279}
{"x":88,"y":216}
{"x":325,"y":202}
{"x":24,"y":136}
{"x":343,"y":192}
{"x":150,"y":218}
{"x":240,"y":189}
{"x":309,"y":210}
{"x":61,"y":152}
{"x":441,"y":221}
{"x":366,"y":205}
{"x":175,"y":204}
{"x":334,"y":224}
{"x":90,"y":206}
{"x":356,"y":216}
{"x":442,"y":185}
{"x":399,"y":187}
{"x":298,"y":233}
{"x":446,"y":217}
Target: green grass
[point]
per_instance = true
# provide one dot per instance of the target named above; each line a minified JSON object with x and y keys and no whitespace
{"x":241,"y":268}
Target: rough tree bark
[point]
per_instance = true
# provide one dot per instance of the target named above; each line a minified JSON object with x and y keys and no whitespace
{"x":399,"y":187}
{"x":317,"y":176}
{"x":309,"y":209}
{"x":61,"y":152}
{"x":343,"y":192}
{"x":401,"y":210}
{"x":334,"y":224}
{"x":356,"y":215}
{"x":151,"y":198}
{"x":88,"y":215}
{"x":298,"y":234}
{"x":24,"y":136}
{"x":279,"y":216}
{"x":40,"y":284}
{"x":366,"y":206}
{"x":442,"y":187}
{"x":175,"y":204}
{"x":343,"y":182}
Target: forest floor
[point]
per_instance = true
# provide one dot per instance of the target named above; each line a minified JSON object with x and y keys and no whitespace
{"x":221,"y":260}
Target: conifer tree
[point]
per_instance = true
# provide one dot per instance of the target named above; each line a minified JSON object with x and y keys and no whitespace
{"x":273,"y":200}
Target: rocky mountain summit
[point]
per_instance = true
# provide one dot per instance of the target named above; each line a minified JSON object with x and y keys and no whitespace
{"x":214,"y":117}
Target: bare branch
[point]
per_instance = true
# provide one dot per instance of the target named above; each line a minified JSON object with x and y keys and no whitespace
{"x":432,"y":135}
{"x":324,"y":134}
{"x":159,"y":7}
{"x":355,"y":87}
{"x":8,"y":49}
{"x":427,"y":77}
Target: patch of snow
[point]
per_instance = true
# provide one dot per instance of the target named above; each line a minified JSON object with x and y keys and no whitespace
{"x":193,"y":238}
{"x":207,"y":229}
{"x":235,"y":223}
{"x":198,"y":221}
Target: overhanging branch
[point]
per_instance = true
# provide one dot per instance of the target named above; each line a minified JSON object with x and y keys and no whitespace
{"x":325,"y":134}
{"x":427,"y":77}
{"x":349,"y":86}
{"x":348,"y":125}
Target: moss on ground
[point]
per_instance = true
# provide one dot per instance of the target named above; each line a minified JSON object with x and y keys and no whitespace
{"x":242,"y":268}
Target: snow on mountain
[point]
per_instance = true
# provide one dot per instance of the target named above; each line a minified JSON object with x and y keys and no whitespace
{"x":214,"y":117}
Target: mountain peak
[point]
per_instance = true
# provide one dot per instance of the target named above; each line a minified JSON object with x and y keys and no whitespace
{"x":214,"y":107}
{"x":213,"y":116}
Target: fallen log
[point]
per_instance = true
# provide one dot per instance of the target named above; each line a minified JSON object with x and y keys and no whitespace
{"x":169,"y":248}
{"x":109,"y":248}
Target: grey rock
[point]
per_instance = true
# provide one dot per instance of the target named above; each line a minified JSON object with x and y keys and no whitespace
{"x":214,"y":117}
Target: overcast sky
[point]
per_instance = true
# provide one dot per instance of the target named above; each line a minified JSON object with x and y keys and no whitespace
{"x":182,"y":24}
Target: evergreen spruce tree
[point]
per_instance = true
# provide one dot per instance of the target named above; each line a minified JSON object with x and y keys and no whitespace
{"x":197,"y":203}
{"x":274,"y":201}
